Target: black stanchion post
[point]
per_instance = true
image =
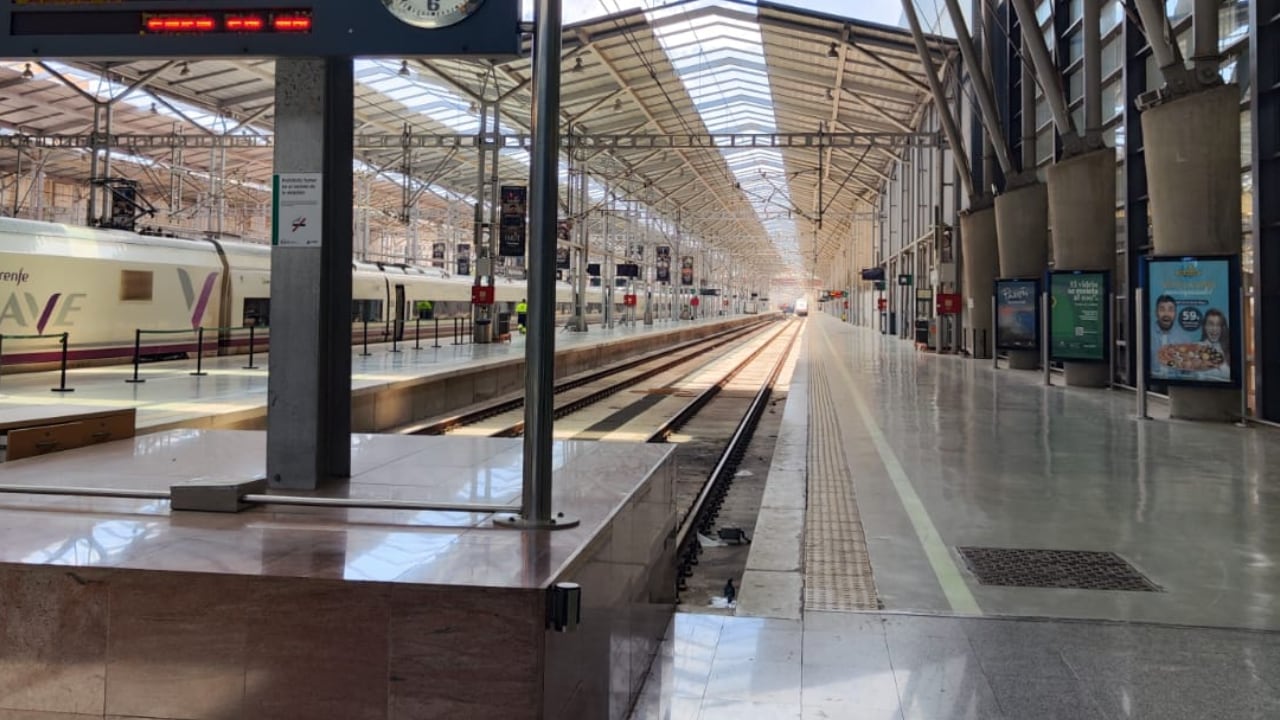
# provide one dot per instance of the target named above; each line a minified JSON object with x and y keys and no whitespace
{"x":199,"y":353}
{"x":137,"y":357}
{"x":455,"y":330}
{"x":435,"y":343}
{"x":417,"y":333}
{"x":365,"y":341}
{"x":251,"y":366}
{"x":62,"y":384}
{"x":395,"y":347}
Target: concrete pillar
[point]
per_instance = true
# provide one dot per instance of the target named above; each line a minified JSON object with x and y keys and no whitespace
{"x":309,"y":382}
{"x":1082,"y":215}
{"x":1022,"y":227}
{"x":978,"y":253}
{"x":1193,"y":177}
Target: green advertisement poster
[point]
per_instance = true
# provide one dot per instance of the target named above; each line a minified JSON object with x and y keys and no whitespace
{"x":1078,"y":317}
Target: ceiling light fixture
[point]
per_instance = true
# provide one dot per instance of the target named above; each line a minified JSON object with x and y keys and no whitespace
{"x":617,"y":105}
{"x":577,"y":64}
{"x":404,"y":68}
{"x":185,"y":71}
{"x":830,"y":94}
{"x":26,"y":72}
{"x":472,"y":108}
{"x":832,"y":52}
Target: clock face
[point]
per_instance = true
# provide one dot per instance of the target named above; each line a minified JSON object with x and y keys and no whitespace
{"x":432,"y":13}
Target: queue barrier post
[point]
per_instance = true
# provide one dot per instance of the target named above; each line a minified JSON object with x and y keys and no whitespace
{"x":137,"y":357}
{"x":251,"y":366}
{"x":62,"y":383}
{"x":199,"y":353}
{"x":417,"y":333}
{"x":435,"y":342}
{"x":365,"y":341}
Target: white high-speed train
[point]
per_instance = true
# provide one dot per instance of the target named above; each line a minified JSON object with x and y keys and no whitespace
{"x":101,"y":286}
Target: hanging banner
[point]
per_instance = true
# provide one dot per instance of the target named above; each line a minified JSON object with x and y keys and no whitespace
{"x":1017,"y":315}
{"x":664,"y":263}
{"x":511,"y":221}
{"x":437,"y":251}
{"x":562,"y":257}
{"x":1078,"y":315}
{"x":686,"y":270}
{"x":637,"y":252}
{"x":1193,"y":321}
{"x":464,"y":259}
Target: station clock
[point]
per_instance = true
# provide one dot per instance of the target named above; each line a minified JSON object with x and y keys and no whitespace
{"x":431,"y":14}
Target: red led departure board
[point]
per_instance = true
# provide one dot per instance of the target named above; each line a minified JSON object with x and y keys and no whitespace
{"x":281,"y":28}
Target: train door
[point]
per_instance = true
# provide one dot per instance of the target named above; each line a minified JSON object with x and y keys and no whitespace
{"x":401,"y":306}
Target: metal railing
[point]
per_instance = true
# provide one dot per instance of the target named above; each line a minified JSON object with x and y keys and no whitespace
{"x":63,"y":340}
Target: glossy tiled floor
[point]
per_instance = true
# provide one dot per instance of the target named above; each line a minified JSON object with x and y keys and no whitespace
{"x":871,"y":666}
{"x":946,"y":452}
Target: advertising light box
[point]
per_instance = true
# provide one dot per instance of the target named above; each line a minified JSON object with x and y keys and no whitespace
{"x":1193,"y":321}
{"x":1017,"y":315}
{"x":1078,"y":316}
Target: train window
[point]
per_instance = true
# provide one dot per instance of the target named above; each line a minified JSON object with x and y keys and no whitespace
{"x":135,"y":284}
{"x":366,"y":310}
{"x":257,"y":312}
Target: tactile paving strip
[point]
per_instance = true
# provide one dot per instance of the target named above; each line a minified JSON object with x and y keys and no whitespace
{"x":837,"y":568}
{"x":1064,"y":569}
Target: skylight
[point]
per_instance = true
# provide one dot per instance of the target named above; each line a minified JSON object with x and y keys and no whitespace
{"x":734,"y":98}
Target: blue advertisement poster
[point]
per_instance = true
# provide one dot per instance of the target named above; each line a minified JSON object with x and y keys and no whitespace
{"x":1193,"y":321}
{"x":1017,"y":315}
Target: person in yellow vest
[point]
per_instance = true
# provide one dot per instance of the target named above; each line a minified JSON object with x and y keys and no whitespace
{"x":522,"y":312}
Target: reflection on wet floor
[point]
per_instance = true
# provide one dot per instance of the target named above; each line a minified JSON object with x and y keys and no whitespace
{"x":876,"y":666}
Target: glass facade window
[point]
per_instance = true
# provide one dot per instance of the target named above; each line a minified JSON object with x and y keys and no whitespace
{"x":1177,"y":9}
{"x":1112,"y":101}
{"x":1075,"y":47}
{"x":1044,"y":115}
{"x":1075,"y":9}
{"x":1112,"y":16}
{"x":1246,"y":132}
{"x":1075,"y":85}
{"x":1044,"y":146}
{"x":1233,"y":23}
{"x":1112,"y":55}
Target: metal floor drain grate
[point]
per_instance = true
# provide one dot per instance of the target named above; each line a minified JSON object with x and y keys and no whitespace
{"x":1065,"y":569}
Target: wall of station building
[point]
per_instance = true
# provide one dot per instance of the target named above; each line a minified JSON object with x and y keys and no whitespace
{"x":922,"y":191}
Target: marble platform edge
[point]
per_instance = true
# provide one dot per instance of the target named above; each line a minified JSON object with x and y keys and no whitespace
{"x":575,"y":560}
{"x":372,"y":390}
{"x":768,"y":588}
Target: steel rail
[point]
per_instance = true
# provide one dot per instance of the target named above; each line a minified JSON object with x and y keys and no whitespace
{"x":702,"y":513}
{"x":471,"y":417}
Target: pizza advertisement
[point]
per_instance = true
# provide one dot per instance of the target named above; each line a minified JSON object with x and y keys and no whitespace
{"x":1192,"y":321}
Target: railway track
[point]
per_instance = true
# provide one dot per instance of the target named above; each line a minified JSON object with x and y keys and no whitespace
{"x":715,"y":431}
{"x":709,"y":404}
{"x":504,"y":417}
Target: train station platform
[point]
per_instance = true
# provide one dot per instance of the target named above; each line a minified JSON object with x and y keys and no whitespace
{"x":389,"y":388}
{"x":944,"y":540}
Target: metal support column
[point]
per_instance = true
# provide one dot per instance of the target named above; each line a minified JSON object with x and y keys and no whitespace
{"x":539,"y":395}
{"x":1264,"y":88}
{"x":309,"y":381}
